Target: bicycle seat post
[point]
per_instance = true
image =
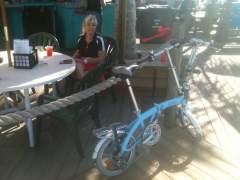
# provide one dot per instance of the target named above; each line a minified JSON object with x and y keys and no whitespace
{"x":137,"y":110}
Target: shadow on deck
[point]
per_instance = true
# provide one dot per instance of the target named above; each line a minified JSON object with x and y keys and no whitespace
{"x":215,"y":101}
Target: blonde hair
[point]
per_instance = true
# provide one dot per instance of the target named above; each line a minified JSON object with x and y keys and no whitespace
{"x":88,"y":19}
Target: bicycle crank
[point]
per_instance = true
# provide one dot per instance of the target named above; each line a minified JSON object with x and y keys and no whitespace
{"x":152,"y":134}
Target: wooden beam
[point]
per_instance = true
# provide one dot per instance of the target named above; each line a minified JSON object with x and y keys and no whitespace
{"x":5,"y":27}
{"x":123,"y":11}
{"x":178,"y":33}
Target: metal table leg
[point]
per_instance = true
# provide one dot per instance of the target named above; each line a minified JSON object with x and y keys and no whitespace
{"x":55,"y":93}
{"x":29,"y":120}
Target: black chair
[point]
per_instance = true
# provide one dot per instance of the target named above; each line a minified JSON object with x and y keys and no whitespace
{"x":110,"y":61}
{"x":72,"y":114}
{"x":111,"y":55}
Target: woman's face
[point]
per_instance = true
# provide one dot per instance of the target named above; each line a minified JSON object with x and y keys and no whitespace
{"x":90,"y":28}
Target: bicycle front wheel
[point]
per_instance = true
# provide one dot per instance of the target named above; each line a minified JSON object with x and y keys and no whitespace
{"x":191,"y":124}
{"x":108,"y":161}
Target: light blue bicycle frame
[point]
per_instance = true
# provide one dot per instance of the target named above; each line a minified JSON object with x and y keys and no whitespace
{"x":152,"y":113}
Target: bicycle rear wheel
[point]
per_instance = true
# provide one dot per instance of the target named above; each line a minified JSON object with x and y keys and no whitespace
{"x":191,"y":124}
{"x":108,"y":161}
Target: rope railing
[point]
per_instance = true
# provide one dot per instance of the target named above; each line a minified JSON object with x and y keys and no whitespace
{"x":20,"y":116}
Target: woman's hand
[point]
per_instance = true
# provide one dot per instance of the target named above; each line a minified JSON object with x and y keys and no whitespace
{"x":79,"y":60}
{"x":87,"y":60}
{"x":84,"y":60}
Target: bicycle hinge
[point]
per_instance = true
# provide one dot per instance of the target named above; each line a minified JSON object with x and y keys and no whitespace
{"x":137,"y":112}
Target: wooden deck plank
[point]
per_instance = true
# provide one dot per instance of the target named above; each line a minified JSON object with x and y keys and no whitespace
{"x":215,"y":99}
{"x":209,"y":159}
{"x":10,"y":158}
{"x":180,"y":160}
{"x":220,"y":99}
{"x":148,"y":163}
{"x":45,"y":164}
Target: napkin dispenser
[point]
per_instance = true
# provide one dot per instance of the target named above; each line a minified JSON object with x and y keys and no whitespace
{"x":25,"y":61}
{"x":24,"y":56}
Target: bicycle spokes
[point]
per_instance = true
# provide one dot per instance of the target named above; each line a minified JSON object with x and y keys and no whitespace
{"x":109,"y":161}
{"x":188,"y":121}
{"x":152,"y":134}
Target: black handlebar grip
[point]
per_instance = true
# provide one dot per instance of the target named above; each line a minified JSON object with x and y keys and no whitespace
{"x":146,"y":59}
{"x":178,"y":43}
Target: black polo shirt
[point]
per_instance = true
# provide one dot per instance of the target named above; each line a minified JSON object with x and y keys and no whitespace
{"x":94,"y":5}
{"x":91,"y":49}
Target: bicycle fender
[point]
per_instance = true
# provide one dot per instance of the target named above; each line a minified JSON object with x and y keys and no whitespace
{"x":101,"y":141}
{"x":194,"y":122}
{"x":98,"y":146}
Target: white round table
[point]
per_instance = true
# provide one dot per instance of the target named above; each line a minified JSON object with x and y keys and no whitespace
{"x":49,"y":70}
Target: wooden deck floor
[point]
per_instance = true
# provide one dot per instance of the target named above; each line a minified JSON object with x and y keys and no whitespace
{"x":215,"y":100}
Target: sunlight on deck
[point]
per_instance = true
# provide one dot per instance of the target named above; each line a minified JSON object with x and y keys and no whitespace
{"x":215,"y":99}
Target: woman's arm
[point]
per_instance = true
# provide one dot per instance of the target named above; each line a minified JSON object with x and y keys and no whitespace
{"x":99,"y":59}
{"x":77,"y":57}
{"x":76,"y":54}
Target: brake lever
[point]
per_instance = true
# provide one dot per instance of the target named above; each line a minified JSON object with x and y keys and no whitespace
{"x":151,"y":56}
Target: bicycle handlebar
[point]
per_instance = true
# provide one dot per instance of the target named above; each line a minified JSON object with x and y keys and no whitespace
{"x":175,"y":44}
{"x":127,"y":70}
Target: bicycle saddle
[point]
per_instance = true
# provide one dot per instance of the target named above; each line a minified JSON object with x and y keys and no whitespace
{"x":124,"y":70}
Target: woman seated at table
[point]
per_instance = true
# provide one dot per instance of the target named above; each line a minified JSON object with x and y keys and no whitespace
{"x":90,"y":48}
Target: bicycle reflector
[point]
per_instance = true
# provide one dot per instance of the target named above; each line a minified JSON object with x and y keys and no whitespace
{"x":163,"y":57}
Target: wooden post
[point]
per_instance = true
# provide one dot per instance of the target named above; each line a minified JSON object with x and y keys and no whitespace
{"x":130,"y":36}
{"x":5,"y":27}
{"x":122,"y":27}
{"x":176,"y":54}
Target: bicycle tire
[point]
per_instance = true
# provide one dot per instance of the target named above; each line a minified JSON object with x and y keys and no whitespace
{"x":117,"y":170}
{"x":191,"y":125}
